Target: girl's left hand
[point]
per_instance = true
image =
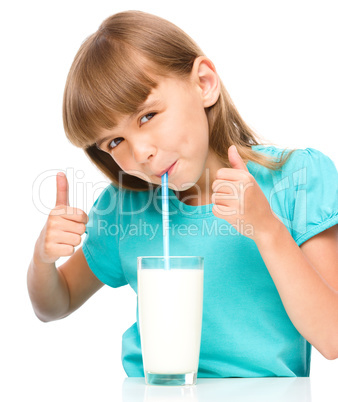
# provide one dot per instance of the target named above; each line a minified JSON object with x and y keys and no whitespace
{"x":240,"y":201}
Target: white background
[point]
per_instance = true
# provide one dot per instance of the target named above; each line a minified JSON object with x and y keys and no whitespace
{"x":278,"y":60}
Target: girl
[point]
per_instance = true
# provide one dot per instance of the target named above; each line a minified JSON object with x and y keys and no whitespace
{"x":142,"y":99}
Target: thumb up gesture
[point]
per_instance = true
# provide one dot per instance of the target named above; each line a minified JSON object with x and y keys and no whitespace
{"x":239,"y":200}
{"x":63,"y":229}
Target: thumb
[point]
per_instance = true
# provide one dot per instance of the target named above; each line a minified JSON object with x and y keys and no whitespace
{"x":235,"y":160}
{"x":62,"y":196}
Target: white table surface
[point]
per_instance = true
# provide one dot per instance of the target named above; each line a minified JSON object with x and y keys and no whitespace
{"x":299,"y":389}
{"x":92,"y":384}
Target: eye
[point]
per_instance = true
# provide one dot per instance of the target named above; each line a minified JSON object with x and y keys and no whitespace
{"x":146,"y":117}
{"x":113,"y":144}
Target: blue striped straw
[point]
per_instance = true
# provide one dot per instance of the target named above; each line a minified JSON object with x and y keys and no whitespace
{"x":165,"y":219}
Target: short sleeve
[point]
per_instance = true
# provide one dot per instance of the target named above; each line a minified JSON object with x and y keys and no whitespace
{"x":312,"y":195}
{"x":101,"y":244}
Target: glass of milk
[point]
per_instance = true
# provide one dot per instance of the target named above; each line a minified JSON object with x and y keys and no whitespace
{"x":170,"y":303}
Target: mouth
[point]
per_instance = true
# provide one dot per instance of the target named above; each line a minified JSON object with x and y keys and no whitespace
{"x":169,"y":169}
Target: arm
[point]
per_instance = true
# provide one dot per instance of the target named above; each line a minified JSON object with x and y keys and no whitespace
{"x":307,"y":281}
{"x":57,"y":292}
{"x":306,"y":277}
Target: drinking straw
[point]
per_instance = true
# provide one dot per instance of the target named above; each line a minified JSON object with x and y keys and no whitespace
{"x":165,"y":219}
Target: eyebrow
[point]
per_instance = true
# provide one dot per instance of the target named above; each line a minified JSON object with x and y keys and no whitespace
{"x":140,"y":109}
{"x":102,"y":140}
{"x":147,"y":105}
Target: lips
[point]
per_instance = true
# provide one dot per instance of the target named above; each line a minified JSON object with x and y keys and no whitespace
{"x":169,"y":169}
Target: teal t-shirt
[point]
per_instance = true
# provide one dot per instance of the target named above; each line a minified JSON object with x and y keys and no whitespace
{"x":246,"y":331}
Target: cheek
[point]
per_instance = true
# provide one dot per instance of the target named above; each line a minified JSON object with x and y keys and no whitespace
{"x":123,"y":161}
{"x":196,"y":134}
{"x":170,"y":135}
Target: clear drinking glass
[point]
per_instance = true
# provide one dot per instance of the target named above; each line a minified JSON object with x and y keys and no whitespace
{"x":170,"y":303}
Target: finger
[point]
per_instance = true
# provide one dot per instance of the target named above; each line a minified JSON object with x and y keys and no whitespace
{"x":225,"y":187}
{"x":62,"y":195}
{"x":231,"y":174}
{"x":70,"y":226}
{"x":235,"y":160}
{"x":64,"y":250}
{"x":227,"y":200}
{"x":70,"y":213}
{"x":76,"y":215}
{"x":70,"y":239}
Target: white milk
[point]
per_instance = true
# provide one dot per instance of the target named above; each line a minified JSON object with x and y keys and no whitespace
{"x":170,"y":316}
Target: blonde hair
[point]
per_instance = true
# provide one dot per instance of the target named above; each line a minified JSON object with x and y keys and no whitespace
{"x":115,"y":70}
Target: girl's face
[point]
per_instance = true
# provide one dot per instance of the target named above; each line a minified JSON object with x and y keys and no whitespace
{"x":169,"y":134}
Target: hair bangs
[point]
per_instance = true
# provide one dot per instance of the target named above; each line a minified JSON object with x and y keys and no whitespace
{"x":107,"y":79}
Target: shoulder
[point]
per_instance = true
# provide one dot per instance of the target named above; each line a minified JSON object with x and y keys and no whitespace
{"x":273,"y":151}
{"x":107,"y":196}
{"x":313,"y":160}
{"x":310,"y":158}
{"x":303,"y":192}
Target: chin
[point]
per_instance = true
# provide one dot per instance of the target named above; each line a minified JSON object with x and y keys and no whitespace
{"x":181,"y":186}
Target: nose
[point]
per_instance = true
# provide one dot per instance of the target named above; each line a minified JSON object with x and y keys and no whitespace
{"x":143,"y":151}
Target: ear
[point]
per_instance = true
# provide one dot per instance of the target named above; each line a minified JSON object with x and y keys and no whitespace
{"x":205,"y":76}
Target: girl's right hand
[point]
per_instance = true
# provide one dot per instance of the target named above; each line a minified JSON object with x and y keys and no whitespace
{"x":63,"y":229}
